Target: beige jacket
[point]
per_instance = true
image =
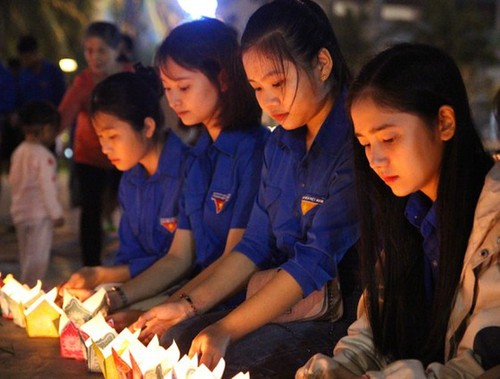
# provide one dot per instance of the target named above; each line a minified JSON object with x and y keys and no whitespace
{"x":480,"y":281}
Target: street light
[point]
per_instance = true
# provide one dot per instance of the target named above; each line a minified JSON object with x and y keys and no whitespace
{"x":199,"y":8}
{"x":68,"y":65}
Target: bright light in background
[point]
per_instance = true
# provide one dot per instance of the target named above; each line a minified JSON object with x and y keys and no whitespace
{"x":199,"y":8}
{"x":68,"y":65}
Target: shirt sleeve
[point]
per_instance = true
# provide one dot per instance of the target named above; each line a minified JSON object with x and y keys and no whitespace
{"x":130,"y":251}
{"x":249,"y":171}
{"x":48,"y":184}
{"x":71,"y":102}
{"x":258,"y":242}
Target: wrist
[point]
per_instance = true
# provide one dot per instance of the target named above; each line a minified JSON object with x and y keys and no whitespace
{"x":116,"y":298}
{"x":190,"y":307}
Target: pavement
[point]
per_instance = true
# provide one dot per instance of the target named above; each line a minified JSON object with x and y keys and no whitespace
{"x":32,"y":358}
{"x":65,"y":256}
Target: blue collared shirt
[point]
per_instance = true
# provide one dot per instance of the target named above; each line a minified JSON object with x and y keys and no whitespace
{"x":150,"y":207}
{"x":220,"y":189}
{"x":46,"y":84}
{"x":421,"y":213}
{"x":305,"y":216}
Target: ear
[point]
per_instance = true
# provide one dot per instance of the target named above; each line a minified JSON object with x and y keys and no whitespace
{"x":149,"y":127}
{"x":325,"y":64}
{"x":446,"y":122}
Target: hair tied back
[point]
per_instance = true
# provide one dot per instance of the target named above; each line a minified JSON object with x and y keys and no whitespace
{"x":150,"y":76}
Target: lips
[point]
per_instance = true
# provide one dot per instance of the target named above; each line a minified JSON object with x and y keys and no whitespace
{"x":388,"y":179}
{"x":280,"y":117}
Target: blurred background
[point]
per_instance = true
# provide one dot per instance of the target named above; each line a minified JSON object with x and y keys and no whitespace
{"x":467,"y":29}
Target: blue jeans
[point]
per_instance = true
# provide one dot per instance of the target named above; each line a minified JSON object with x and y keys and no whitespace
{"x":272,"y":351}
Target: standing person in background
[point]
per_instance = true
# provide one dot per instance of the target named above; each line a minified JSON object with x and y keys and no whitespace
{"x":39,"y":79}
{"x":35,"y":207}
{"x":431,"y":227}
{"x":303,"y":224}
{"x":126,"y":114}
{"x":7,"y":106}
{"x":94,"y":172}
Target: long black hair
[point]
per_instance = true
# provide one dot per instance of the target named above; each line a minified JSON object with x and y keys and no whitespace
{"x":295,"y":31}
{"x":131,"y":96}
{"x":417,"y":79}
{"x":211,"y":47}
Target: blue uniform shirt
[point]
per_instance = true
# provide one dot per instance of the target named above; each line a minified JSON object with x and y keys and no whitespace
{"x":150,"y":207}
{"x":421,"y":213}
{"x":220,"y":189}
{"x":305,"y":216}
{"x":47,"y":84}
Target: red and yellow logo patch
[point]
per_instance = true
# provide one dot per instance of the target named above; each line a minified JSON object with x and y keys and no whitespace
{"x":220,"y":200}
{"x":308,"y":202}
{"x":169,"y":223}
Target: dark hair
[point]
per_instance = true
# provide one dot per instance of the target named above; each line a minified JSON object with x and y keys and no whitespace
{"x":106,"y":31}
{"x":131,"y":96}
{"x":27,"y":44}
{"x":296,"y":31}
{"x":38,"y":113}
{"x":416,"y":79}
{"x":211,"y":47}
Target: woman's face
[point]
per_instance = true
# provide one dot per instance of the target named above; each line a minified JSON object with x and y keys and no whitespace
{"x":400,"y":147}
{"x":289,"y":96}
{"x":123,"y":145}
{"x":101,"y":58}
{"x":190,"y":94}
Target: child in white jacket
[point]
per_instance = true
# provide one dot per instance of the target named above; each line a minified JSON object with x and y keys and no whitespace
{"x":35,"y":207}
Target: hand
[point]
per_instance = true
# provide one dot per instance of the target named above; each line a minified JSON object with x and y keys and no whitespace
{"x":80,"y":294}
{"x":323,"y":367}
{"x":211,"y":343}
{"x":161,"y":318}
{"x":58,"y":222}
{"x":123,"y":319}
{"x":86,"y":277}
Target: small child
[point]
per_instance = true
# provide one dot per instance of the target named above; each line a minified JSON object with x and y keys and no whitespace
{"x":35,"y":207}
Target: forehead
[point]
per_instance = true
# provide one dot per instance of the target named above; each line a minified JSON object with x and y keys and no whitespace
{"x":370,"y":118}
{"x":95,"y":42}
{"x":259,"y":65}
{"x":106,"y":121}
{"x":173,"y":71}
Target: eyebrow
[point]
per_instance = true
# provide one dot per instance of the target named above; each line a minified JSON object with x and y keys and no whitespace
{"x":267,"y":75}
{"x":376,"y":129}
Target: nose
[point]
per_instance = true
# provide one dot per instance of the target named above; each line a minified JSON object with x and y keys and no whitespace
{"x":105,"y":147}
{"x":173,"y":99}
{"x":267,"y":99}
{"x":376,"y":156}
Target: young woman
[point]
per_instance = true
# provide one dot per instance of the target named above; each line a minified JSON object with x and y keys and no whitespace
{"x":127,"y":117}
{"x":94,"y":173}
{"x":434,"y":299}
{"x":205,"y":84}
{"x":304,"y":220}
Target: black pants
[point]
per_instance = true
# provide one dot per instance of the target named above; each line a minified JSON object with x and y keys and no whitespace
{"x":94,"y":183}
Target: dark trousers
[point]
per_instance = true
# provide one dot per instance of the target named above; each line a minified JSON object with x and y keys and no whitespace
{"x":93,"y":183}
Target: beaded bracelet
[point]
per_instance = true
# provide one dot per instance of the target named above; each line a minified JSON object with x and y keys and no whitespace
{"x":185,"y":296}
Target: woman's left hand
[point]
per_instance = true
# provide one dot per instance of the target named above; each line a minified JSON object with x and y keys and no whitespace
{"x":210,"y":345}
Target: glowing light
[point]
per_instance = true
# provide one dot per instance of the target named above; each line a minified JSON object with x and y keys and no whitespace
{"x":68,"y":153}
{"x":68,"y":65}
{"x":199,"y":8}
